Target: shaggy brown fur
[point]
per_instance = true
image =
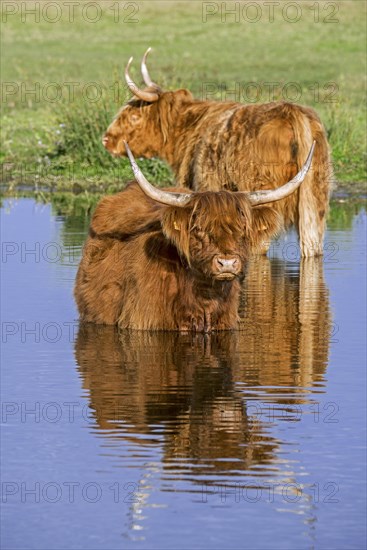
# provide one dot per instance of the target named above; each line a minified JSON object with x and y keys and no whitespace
{"x":150,"y":266}
{"x":221,"y":145}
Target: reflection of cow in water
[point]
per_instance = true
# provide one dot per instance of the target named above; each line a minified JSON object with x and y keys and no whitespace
{"x":193,"y":388}
{"x":185,"y":381}
{"x":289,"y":313}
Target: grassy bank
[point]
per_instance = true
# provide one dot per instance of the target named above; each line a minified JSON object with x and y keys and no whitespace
{"x":61,"y":80}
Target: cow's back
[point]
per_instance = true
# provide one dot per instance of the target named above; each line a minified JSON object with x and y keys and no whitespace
{"x":254,"y":147}
{"x":247,"y":147}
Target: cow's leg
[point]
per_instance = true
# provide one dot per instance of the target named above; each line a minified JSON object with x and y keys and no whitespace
{"x":207,"y":321}
{"x":192,"y":323}
{"x":314,"y":193}
{"x":227,"y":320}
{"x":312,"y":211}
{"x":311,"y":234}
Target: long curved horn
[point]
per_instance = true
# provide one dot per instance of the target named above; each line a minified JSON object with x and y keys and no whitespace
{"x":150,"y":97}
{"x":171,"y":199}
{"x":262,"y":197}
{"x":144,"y":71}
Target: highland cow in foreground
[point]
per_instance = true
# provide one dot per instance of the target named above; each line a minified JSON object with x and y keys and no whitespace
{"x":212,"y":145}
{"x":172,"y":260}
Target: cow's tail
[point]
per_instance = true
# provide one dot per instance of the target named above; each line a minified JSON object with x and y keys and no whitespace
{"x":314,"y":192}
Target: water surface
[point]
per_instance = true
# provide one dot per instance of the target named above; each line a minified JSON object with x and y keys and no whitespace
{"x":250,"y":439}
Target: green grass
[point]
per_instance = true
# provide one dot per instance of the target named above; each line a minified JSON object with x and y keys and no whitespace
{"x":57,"y":144}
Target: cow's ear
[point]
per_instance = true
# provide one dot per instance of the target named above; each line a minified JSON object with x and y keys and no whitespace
{"x":266,"y":223}
{"x":175,"y":97}
{"x":175,"y":226}
{"x":184,"y":95}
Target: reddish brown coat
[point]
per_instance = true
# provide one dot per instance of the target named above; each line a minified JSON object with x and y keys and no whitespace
{"x":221,"y":145}
{"x":146,"y":265}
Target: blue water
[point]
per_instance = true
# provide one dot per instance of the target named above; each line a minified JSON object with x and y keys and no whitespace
{"x":254,"y":439}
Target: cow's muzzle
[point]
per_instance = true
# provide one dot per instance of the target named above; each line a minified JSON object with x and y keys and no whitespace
{"x":226,"y":267}
{"x":109,"y":142}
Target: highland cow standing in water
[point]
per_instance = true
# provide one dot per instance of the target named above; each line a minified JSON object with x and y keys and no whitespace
{"x":172,"y":260}
{"x":214,"y":145}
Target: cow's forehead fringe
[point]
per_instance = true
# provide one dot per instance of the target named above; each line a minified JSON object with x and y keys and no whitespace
{"x":220,"y":210}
